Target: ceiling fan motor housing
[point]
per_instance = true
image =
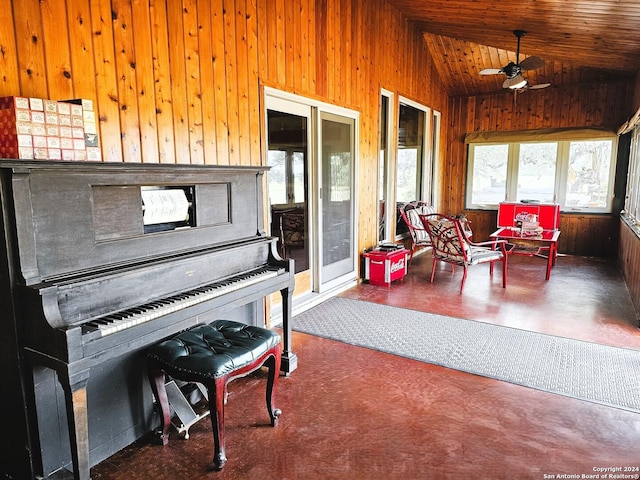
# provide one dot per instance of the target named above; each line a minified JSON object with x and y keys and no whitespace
{"x":511,"y":70}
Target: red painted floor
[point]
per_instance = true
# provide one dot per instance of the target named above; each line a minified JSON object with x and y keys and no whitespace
{"x":353,"y":413}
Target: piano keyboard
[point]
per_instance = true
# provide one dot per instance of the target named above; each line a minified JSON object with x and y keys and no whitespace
{"x":124,"y":319}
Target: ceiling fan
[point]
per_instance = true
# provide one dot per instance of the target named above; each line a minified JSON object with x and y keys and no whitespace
{"x":513,"y":71}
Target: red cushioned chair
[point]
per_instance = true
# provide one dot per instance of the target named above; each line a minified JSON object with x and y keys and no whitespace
{"x":450,"y":244}
{"x":410,"y":213}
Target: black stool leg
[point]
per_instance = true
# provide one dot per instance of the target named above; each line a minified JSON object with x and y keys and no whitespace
{"x":157,"y":379}
{"x":217,"y":393}
{"x":273,"y":364}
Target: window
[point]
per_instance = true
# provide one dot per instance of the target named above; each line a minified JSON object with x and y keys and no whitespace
{"x":577,"y":174}
{"x":489,"y":181}
{"x":408,"y":174}
{"x":537,"y":172}
{"x":385,"y":160}
{"x":286,"y":177}
{"x":410,"y":157}
{"x":416,"y":150}
{"x":278,"y":178}
{"x":286,"y":157}
{"x":589,"y":175}
{"x":340,"y":176}
{"x":632,"y":199}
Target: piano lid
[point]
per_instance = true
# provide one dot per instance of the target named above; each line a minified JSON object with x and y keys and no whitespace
{"x":73,"y":218}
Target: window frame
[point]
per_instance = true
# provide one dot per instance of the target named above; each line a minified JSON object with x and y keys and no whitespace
{"x":427,"y":163}
{"x":561,"y":174}
{"x":631,"y":210}
{"x":424,"y":179}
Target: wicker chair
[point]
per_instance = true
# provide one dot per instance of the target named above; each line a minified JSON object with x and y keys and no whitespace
{"x":410,"y":213}
{"x":292,"y":230}
{"x":450,"y":244}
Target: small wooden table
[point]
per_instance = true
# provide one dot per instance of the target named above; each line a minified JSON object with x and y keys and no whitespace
{"x":530,"y":245}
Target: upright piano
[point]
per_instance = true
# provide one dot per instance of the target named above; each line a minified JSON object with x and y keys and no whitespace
{"x":101,"y":260}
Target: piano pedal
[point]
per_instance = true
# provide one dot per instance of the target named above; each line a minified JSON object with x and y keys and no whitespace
{"x":185,"y":415}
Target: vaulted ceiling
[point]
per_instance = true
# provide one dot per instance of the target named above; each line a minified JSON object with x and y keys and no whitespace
{"x":579,"y":41}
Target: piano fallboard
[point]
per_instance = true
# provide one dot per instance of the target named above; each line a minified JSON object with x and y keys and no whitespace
{"x":94,"y":348}
{"x":93,"y":296}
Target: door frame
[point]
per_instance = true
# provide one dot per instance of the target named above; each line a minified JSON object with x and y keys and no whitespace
{"x":273,"y":97}
{"x":389,"y":173}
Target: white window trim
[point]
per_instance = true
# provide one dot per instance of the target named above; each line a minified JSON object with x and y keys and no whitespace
{"x":389,"y":174}
{"x":426,"y":180}
{"x":435,"y":155}
{"x":631,"y":212}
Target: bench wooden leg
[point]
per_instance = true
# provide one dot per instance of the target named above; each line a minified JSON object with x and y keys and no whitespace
{"x":217,"y":392}
{"x":157,"y":380}
{"x":273,"y":364}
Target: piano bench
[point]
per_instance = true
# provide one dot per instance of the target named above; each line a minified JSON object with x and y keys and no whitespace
{"x":214,"y":355}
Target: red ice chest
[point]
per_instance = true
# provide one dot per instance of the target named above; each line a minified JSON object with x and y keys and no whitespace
{"x":383,"y":267}
{"x":548,"y":214}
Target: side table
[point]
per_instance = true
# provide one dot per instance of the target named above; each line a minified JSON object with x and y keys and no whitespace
{"x":545,"y":240}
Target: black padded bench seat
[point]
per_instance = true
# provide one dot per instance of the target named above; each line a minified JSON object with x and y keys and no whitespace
{"x":214,"y":355}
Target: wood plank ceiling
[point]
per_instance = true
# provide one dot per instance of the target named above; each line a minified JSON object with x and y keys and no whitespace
{"x":580,"y":41}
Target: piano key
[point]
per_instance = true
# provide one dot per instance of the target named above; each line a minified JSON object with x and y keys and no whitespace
{"x":128,"y":318}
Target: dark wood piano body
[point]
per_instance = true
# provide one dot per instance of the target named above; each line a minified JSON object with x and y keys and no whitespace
{"x":76,"y":252}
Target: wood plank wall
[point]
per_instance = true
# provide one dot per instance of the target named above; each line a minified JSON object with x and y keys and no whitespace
{"x":178,"y":81}
{"x":586,"y":105}
{"x":629,"y":245}
{"x":629,"y":260}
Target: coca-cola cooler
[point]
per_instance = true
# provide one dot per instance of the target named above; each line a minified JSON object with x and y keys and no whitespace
{"x":385,"y":266}
{"x":514,"y":214}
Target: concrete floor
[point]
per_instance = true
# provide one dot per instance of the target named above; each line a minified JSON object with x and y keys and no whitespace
{"x":353,"y":413}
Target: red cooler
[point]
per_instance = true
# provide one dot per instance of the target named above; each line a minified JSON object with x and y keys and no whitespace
{"x":385,"y":266}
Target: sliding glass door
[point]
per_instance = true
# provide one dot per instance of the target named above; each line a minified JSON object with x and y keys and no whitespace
{"x":311,"y":151}
{"x":337,"y":187}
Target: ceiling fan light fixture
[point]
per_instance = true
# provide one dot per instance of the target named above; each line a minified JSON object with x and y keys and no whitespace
{"x":521,"y":84}
{"x":515,"y":83}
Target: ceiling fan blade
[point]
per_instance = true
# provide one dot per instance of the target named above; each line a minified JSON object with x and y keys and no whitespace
{"x":490,"y":71}
{"x":539,"y":86}
{"x":531,"y":63}
{"x":516,"y":82}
